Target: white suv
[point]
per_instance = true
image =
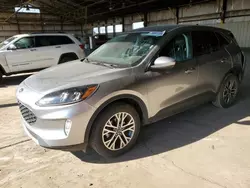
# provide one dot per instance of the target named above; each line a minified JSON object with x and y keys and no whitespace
{"x":31,"y":52}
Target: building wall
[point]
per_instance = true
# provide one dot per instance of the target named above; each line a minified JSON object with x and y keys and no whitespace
{"x":237,"y":20}
{"x":237,"y":17}
{"x":33,"y":23}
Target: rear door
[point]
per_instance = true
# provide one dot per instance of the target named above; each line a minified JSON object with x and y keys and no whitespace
{"x":213,"y":60}
{"x":22,"y":58}
{"x":67,"y":45}
{"x":49,"y":51}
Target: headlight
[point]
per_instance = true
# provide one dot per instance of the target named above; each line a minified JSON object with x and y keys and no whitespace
{"x":67,"y":96}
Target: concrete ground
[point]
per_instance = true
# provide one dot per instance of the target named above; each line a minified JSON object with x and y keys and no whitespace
{"x":203,"y":147}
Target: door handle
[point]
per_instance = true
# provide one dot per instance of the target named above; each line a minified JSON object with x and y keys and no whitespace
{"x":32,"y":50}
{"x":58,"y":46}
{"x":189,"y":71}
{"x":223,"y":60}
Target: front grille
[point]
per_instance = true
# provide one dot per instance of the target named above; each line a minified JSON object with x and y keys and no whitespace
{"x":28,"y":116}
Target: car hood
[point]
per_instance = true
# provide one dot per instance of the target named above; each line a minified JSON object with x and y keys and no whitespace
{"x":73,"y":74}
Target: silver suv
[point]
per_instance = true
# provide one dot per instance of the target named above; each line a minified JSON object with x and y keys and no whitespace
{"x":134,"y":79}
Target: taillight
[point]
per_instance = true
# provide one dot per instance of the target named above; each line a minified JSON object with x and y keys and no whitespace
{"x":81,"y":46}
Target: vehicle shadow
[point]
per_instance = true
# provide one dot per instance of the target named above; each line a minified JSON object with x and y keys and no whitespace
{"x":13,"y":80}
{"x":178,"y":131}
{"x":8,"y":105}
{"x":182,"y":129}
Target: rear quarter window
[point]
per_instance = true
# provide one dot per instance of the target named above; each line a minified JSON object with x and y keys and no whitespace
{"x":64,"y":40}
{"x":231,"y":37}
{"x":222,"y":41}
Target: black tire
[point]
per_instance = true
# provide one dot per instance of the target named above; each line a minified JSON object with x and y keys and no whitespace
{"x":221,"y":101}
{"x":1,"y":77}
{"x":66,"y":59}
{"x":96,"y":139}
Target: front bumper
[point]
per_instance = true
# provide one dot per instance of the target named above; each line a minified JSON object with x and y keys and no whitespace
{"x":49,"y":128}
{"x":40,"y":141}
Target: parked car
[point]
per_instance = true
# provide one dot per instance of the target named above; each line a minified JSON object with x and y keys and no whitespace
{"x":134,"y":79}
{"x":29,"y":52}
{"x":100,"y":39}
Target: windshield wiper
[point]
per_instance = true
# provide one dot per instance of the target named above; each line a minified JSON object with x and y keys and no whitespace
{"x":99,"y":63}
{"x":105,"y":64}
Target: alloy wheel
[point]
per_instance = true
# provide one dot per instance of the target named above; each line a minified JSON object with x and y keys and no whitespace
{"x":230,"y":91}
{"x":118,"y":131}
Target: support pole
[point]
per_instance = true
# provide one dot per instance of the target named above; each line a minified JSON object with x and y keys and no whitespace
{"x":177,"y":15}
{"x":18,"y":25}
{"x":123,"y":24}
{"x":145,"y":19}
{"x":41,"y":20}
{"x":224,"y":10}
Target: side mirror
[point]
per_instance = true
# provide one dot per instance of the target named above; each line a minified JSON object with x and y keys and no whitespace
{"x":12,"y":47}
{"x":162,"y":64}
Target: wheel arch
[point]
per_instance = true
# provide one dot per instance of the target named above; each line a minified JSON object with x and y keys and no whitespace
{"x":237,"y":71}
{"x":69,"y":54}
{"x":134,"y":101}
{"x":2,"y":70}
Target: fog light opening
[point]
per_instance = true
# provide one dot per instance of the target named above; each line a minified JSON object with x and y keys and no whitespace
{"x":67,"y":126}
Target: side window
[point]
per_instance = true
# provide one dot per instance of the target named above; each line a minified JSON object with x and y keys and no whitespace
{"x":204,"y":42}
{"x":63,"y":40}
{"x":42,"y":41}
{"x":222,"y":41}
{"x":26,"y":42}
{"x":52,"y":40}
{"x":179,"y":48}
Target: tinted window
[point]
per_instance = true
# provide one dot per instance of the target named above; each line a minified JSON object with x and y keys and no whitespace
{"x":64,"y":40}
{"x":26,"y":42}
{"x":179,"y":48}
{"x":52,"y":40}
{"x":222,"y":41}
{"x":204,"y":42}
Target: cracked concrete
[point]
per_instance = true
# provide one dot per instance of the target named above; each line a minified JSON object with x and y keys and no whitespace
{"x":203,"y":147}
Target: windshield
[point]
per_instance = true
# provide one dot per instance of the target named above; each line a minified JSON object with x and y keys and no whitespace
{"x":7,"y":41}
{"x":126,"y":49}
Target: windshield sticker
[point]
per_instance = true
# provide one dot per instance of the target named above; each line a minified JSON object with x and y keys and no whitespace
{"x":155,"y":33}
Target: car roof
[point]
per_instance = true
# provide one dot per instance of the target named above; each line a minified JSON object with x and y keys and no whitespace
{"x":167,"y":28}
{"x":159,"y":28}
{"x":43,"y":34}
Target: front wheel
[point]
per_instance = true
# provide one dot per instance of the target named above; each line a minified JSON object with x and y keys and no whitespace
{"x":228,"y":91}
{"x":115,"y":130}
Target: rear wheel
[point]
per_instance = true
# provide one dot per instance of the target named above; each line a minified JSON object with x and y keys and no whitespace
{"x":228,"y":91}
{"x":115,"y":130}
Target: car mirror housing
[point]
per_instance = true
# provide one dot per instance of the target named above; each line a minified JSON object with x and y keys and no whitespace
{"x":162,"y":64}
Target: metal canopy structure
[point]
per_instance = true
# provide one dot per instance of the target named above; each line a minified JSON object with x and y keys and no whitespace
{"x":87,"y":11}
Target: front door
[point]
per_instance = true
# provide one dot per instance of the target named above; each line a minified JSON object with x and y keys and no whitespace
{"x":25,"y":54}
{"x":171,"y":91}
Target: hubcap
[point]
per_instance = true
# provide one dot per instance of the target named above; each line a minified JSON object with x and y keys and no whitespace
{"x":118,"y":131}
{"x":230,"y":91}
